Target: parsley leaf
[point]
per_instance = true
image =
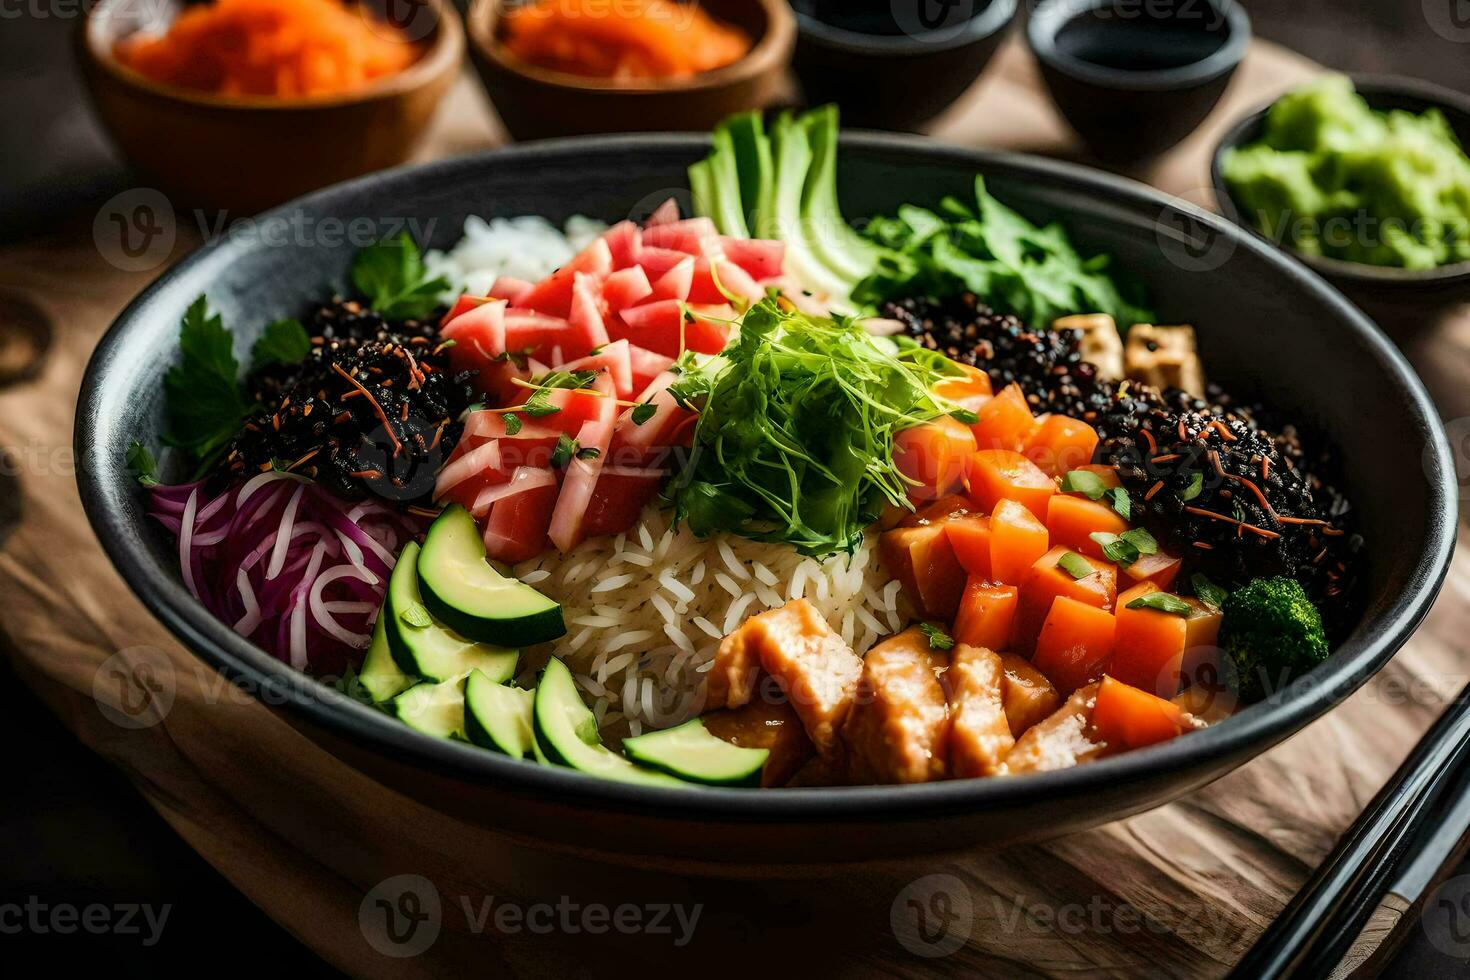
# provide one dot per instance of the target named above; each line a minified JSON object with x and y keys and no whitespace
{"x":1208,"y":592}
{"x":1075,"y":565}
{"x":937,"y":637}
{"x":205,"y":403}
{"x":512,"y":423}
{"x":141,"y":465}
{"x":566,"y":448}
{"x":1085,"y":482}
{"x":643,"y":412}
{"x":391,"y":275}
{"x":1162,"y":602}
{"x":283,"y":342}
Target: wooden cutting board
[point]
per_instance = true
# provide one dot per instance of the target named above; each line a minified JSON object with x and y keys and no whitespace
{"x":1180,"y":891}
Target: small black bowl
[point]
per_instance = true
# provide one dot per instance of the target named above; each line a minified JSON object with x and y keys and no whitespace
{"x":886,"y":63}
{"x":1134,"y":80}
{"x":1399,"y":299}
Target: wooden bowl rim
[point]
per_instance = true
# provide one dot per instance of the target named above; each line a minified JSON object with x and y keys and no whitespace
{"x":443,"y":54}
{"x":770,"y":52}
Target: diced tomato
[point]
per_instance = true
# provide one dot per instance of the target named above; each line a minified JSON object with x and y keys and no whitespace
{"x":657,"y":327}
{"x":624,"y":240}
{"x":1075,"y":644}
{"x":709,"y":331}
{"x":633,"y":443}
{"x":945,"y":509}
{"x":510,"y":288}
{"x":987,"y":610}
{"x":933,"y":456}
{"x":464,"y":304}
{"x":969,"y":536}
{"x":478,"y":324}
{"x":673,"y":284}
{"x":646,"y":365}
{"x":1133,"y":718}
{"x":1045,"y":580}
{"x":516,"y":528}
{"x":681,"y":236}
{"x":553,"y":295}
{"x":620,"y":496}
{"x":625,"y":288}
{"x":1005,"y":421}
{"x":1060,"y":444}
{"x":1017,"y":541}
{"x":543,"y":337}
{"x":614,"y":358}
{"x":922,"y":559}
{"x":1002,"y":474}
{"x":463,"y":477}
{"x":666,"y":213}
{"x":568,"y":520}
{"x":657,"y":261}
{"x":762,"y":259}
{"x":738,"y":282}
{"x":1072,"y":520}
{"x":733,"y":283}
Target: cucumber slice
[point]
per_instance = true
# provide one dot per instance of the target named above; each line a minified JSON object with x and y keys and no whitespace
{"x":690,"y":752}
{"x":793,"y":157}
{"x":424,"y":647}
{"x":498,"y":717}
{"x":839,"y":248}
{"x":381,"y":676}
{"x":566,"y":732}
{"x":472,"y":598}
{"x":752,"y":152}
{"x":434,"y":709}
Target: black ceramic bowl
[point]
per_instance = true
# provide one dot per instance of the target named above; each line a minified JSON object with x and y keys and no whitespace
{"x":885,"y":64}
{"x":1135,"y":79}
{"x":1245,"y":296}
{"x":1399,"y":299}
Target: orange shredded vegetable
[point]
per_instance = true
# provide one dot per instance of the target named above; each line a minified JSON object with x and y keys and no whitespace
{"x":629,"y":39}
{"x":283,"y":48}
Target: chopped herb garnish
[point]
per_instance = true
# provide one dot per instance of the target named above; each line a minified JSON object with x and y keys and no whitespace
{"x":417,"y":616}
{"x":141,"y":465}
{"x":1075,"y":565}
{"x":589,"y":453}
{"x":539,"y":404}
{"x":964,"y":415}
{"x":1208,"y":592}
{"x":1122,"y":503}
{"x":643,"y":412}
{"x":391,"y":275}
{"x":937,"y":637}
{"x":566,"y":448}
{"x":283,"y":342}
{"x":1141,"y":540}
{"x":205,"y":403}
{"x":1162,"y":602}
{"x":512,"y":423}
{"x":1196,"y":484}
{"x":1115,"y":549}
{"x":1085,"y":482}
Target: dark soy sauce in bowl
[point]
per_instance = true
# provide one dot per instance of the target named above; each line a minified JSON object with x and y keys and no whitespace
{"x":1155,"y":37}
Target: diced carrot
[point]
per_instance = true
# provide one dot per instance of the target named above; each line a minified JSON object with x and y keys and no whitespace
{"x":1072,"y":520}
{"x":1150,"y":645}
{"x":970,"y":392}
{"x":986,"y":613}
{"x":1017,"y":541}
{"x":1060,"y":444}
{"x":922,"y":559}
{"x":1046,"y":580}
{"x":942,"y":510}
{"x":934,"y":455}
{"x":1203,"y":625}
{"x":1159,"y":568}
{"x":1002,"y":474}
{"x":970,"y":537}
{"x":1128,"y":716}
{"x":1075,"y":644}
{"x":1005,"y":421}
{"x":1106,"y":474}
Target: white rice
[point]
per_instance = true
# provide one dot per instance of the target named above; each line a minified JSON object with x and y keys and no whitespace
{"x":527,"y":247}
{"x":642,"y":637}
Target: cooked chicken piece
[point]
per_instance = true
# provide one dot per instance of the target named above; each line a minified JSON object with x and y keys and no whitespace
{"x":1207,"y":706}
{"x":770,"y":725}
{"x":979,"y":734}
{"x":898,"y":728}
{"x":813,"y":667}
{"x":1028,"y":695}
{"x":1065,"y":739}
{"x":1164,"y":357}
{"x":1101,"y":344}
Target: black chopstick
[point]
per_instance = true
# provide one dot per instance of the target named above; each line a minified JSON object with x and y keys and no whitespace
{"x":1313,"y":933}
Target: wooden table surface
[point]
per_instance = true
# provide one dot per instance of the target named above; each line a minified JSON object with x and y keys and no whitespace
{"x":1179,"y":891}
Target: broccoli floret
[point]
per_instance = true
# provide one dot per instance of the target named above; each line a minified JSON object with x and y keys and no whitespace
{"x":1271,"y":632}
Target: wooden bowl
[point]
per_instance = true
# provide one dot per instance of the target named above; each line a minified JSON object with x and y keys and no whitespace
{"x":249,"y":153}
{"x":536,"y":102}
